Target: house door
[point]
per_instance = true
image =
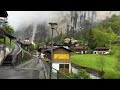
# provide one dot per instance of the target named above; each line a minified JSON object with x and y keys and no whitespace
{"x":83,"y":52}
{"x":64,"y":68}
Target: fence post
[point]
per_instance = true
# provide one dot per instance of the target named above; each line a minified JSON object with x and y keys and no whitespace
{"x":57,"y":74}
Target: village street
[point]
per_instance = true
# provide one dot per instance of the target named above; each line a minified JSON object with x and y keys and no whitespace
{"x":10,"y":72}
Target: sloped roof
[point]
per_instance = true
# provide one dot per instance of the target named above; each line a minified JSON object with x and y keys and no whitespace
{"x":101,"y":48}
{"x":54,"y":48}
{"x":63,"y":48}
{"x":10,"y":36}
{"x":79,"y":47}
{"x":23,"y":42}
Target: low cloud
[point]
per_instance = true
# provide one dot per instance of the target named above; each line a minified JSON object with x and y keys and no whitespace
{"x":24,"y":18}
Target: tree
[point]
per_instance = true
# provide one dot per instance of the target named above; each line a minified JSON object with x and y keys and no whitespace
{"x":101,"y":37}
{"x":9,"y":29}
{"x":90,"y":39}
{"x":82,"y":74}
{"x":118,"y":62}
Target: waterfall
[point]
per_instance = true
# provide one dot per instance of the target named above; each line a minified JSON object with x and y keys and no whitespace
{"x":34,"y":31}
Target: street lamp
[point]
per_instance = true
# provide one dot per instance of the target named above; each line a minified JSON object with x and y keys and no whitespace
{"x":52,"y":27}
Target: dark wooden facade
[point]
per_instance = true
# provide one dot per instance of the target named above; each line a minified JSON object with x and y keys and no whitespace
{"x":101,"y":49}
{"x":25,"y":44}
{"x":80,"y":49}
{"x":61,"y":52}
{"x":64,"y":68}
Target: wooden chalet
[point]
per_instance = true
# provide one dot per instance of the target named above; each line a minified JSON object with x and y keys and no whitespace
{"x":80,"y":49}
{"x":101,"y":50}
{"x":25,"y":44}
{"x":60,"y":59}
{"x":48,"y":46}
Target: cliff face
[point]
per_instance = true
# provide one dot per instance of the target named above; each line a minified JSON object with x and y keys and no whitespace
{"x":67,"y":21}
{"x":79,"y":20}
{"x":74,"y":21}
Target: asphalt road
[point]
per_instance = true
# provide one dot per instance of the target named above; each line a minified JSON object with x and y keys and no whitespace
{"x":10,"y":72}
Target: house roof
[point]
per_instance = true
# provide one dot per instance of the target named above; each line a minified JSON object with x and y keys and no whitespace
{"x":23,"y":42}
{"x":79,"y":47}
{"x":101,"y":48}
{"x":3,"y":13}
{"x":63,"y":48}
{"x":10,"y":36}
{"x":54,"y":48}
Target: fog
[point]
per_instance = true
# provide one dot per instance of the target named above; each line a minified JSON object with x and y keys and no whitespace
{"x":24,"y":18}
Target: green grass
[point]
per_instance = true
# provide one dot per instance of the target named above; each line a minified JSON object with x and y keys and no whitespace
{"x":46,"y":59}
{"x":93,"y":61}
{"x":90,"y":60}
{"x":7,"y":42}
{"x":24,"y":51}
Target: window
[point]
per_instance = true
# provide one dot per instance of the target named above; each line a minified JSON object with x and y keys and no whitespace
{"x":64,"y":66}
{"x":61,"y":66}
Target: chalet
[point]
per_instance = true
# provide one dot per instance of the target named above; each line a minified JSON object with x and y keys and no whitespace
{"x":80,"y":49}
{"x":101,"y":50}
{"x":48,"y":46}
{"x":61,"y":58}
{"x":25,"y":44}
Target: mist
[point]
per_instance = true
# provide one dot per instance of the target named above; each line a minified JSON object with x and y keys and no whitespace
{"x":24,"y":18}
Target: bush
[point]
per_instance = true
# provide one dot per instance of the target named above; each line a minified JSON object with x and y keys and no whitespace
{"x":112,"y":52}
{"x":82,"y":74}
{"x":25,"y":55}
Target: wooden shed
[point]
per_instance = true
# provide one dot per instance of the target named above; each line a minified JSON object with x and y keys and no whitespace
{"x":61,"y":58}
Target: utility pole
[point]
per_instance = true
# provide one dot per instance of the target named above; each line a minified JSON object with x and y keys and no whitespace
{"x":52,"y":27}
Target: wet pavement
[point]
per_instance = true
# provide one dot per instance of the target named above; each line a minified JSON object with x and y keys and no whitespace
{"x":10,"y":72}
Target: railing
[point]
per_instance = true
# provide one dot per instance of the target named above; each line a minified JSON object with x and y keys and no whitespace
{"x":14,"y":57}
{"x":55,"y":73}
{"x":17,"y":56}
{"x":58,"y":75}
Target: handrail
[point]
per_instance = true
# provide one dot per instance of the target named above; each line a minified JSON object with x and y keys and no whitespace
{"x":16,"y":53}
{"x":19,"y":48}
{"x":61,"y":73}
{"x":58,"y":72}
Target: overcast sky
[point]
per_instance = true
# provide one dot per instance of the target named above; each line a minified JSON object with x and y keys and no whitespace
{"x":17,"y":18}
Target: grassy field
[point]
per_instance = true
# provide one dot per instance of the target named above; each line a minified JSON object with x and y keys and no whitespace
{"x":94,"y":61}
{"x":7,"y":42}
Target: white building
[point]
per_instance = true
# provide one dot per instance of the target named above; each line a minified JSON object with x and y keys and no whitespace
{"x":61,"y":59}
{"x":101,"y":50}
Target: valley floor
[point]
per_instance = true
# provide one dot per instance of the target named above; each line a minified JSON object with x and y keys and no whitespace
{"x":108,"y":62}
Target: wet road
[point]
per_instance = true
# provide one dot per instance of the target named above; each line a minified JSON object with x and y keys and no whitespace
{"x":10,"y":72}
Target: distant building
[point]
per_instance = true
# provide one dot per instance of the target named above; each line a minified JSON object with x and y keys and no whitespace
{"x":25,"y":44}
{"x":101,"y":50}
{"x":80,"y":49}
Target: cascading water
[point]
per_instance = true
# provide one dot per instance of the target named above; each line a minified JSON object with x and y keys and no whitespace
{"x":34,"y":31}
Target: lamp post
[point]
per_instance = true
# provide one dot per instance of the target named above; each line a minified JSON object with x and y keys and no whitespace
{"x":52,"y":27}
